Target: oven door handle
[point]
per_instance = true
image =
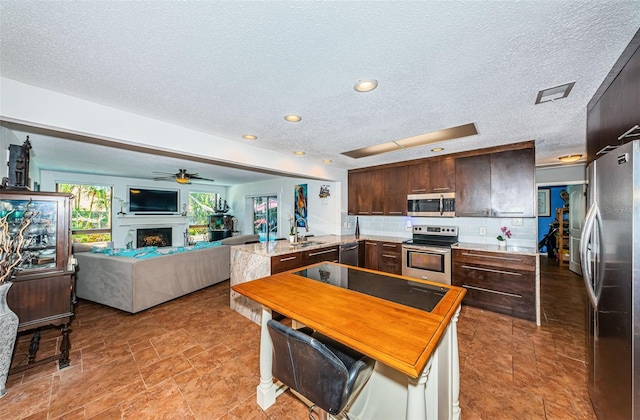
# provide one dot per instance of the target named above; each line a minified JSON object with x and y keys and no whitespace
{"x":441,"y":204}
{"x":427,"y":250}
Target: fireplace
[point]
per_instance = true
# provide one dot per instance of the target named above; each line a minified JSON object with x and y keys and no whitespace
{"x":154,"y":237}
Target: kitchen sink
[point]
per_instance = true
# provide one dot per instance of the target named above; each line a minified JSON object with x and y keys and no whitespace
{"x":306,"y":244}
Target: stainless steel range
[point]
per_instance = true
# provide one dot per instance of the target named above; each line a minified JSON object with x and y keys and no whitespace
{"x":428,"y":255}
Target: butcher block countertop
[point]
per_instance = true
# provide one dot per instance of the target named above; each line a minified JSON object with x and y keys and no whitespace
{"x":399,"y":336}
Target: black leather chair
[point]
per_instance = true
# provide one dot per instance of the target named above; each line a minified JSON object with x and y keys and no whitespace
{"x":322,"y":370}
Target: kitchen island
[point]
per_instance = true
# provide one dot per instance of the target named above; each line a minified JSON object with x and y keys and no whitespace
{"x":408,"y":326}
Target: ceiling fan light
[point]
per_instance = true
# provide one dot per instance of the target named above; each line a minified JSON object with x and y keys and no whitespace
{"x":182,"y":177}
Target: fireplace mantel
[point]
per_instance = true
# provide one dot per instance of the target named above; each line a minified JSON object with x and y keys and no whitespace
{"x":166,"y":220}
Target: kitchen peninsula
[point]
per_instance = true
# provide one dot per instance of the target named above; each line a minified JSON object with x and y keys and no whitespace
{"x":254,"y":261}
{"x":406,"y":325}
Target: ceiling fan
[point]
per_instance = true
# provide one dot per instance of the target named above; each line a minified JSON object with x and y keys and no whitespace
{"x":181,"y":177}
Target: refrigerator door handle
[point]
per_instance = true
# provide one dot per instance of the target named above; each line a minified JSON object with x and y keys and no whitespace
{"x":592,"y":225}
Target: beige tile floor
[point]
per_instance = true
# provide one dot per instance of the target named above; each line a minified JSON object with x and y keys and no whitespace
{"x":193,"y":358}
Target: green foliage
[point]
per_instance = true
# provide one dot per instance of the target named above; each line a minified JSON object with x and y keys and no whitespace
{"x":90,"y":209}
{"x":201,"y":205}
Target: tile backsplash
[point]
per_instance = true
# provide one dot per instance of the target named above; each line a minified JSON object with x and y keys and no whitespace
{"x":469,"y":228}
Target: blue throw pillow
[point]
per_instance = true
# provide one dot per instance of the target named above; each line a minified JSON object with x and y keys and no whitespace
{"x":148,"y":254}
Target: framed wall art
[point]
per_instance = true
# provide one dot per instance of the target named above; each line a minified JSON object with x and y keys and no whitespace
{"x":544,"y":202}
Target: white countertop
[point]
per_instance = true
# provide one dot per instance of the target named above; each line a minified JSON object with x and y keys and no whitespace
{"x":271,"y":249}
{"x":494,"y":248}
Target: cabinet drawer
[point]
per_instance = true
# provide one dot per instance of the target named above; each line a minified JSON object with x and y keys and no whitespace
{"x":286,"y":262}
{"x":504,"y":290}
{"x":522,"y":306}
{"x":495,"y":259}
{"x":313,"y":256}
{"x":390,"y":257}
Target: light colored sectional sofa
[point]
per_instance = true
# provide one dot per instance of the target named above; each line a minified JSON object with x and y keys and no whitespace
{"x":134,"y":284}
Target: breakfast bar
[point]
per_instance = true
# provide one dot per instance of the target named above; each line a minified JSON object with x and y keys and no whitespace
{"x":408,"y":326}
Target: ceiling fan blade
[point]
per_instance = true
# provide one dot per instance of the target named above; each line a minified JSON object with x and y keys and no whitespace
{"x":194,"y":176}
{"x":162,"y":172}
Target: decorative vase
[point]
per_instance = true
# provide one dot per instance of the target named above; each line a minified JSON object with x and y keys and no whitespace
{"x":502,"y":244}
{"x":8,"y":331}
{"x":292,"y":239}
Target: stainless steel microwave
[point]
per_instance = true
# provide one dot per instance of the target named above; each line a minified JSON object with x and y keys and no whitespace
{"x":432,"y":205}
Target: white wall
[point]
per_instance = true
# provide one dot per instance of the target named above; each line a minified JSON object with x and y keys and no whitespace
{"x":561,"y":175}
{"x":121,"y":225}
{"x":323,"y":215}
{"x":39,"y":107}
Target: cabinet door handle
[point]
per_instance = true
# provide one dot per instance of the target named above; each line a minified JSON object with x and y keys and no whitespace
{"x":389,"y":256}
{"x":482,"y":289}
{"x":377,"y":212}
{"x":288,"y":259}
{"x":390,"y":245}
{"x":395,"y":212}
{"x":419,"y":190}
{"x":471,"y":254}
{"x":363,"y":212}
{"x":491,"y":270}
{"x":371,"y":243}
{"x":441,"y":189}
{"x":323,"y":252}
{"x":629,"y":131}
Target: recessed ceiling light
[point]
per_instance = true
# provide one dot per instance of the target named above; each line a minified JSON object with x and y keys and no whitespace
{"x":249,"y":137}
{"x":570,"y":158}
{"x":298,"y":153}
{"x":327,"y":161}
{"x":292,"y":118}
{"x":553,"y":93}
{"x":366,"y":85}
{"x":437,"y":149}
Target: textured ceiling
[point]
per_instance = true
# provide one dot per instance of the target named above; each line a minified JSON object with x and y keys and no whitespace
{"x":231,"y":68}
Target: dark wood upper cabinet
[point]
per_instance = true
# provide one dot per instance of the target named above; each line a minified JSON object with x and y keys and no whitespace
{"x":615,"y":108}
{"x":366,"y":193}
{"x":442,"y":176}
{"x":473,"y":184}
{"x":418,"y":178}
{"x":395,"y":179}
{"x":376,"y":191}
{"x":496,"y":185}
{"x":513,"y":183}
{"x":432,"y":176}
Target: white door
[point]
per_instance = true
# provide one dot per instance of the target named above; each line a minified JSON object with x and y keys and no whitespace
{"x":577,"y":208}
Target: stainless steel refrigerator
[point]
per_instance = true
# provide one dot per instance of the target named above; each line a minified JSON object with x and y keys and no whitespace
{"x":610,"y":258}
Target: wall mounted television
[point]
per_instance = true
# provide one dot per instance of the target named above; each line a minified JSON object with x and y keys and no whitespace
{"x":147,"y":201}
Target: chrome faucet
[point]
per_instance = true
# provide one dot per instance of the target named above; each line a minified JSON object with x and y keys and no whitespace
{"x":300,"y":238}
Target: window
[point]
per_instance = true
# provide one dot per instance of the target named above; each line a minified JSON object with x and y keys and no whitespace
{"x":90,"y":212}
{"x":265,"y":217}
{"x":201,"y":205}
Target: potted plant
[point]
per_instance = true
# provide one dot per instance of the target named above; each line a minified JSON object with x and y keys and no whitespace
{"x":292,"y":230}
{"x":502,"y":238}
{"x":12,"y":241}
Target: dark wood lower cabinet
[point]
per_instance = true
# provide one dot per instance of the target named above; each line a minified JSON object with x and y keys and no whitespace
{"x":496,"y":281}
{"x":286,"y":262}
{"x":390,"y":257}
